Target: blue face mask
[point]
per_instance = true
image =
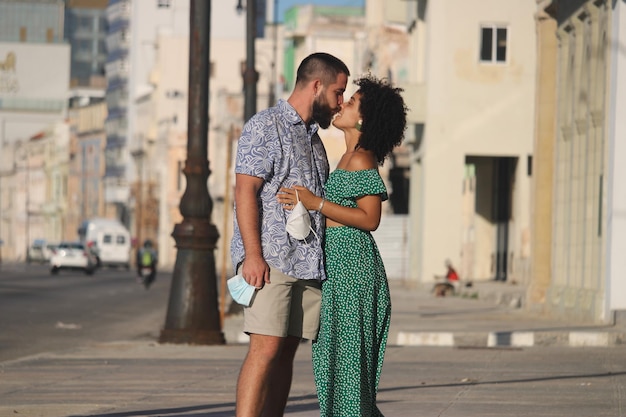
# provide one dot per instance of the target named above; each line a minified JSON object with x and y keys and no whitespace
{"x":240,"y":290}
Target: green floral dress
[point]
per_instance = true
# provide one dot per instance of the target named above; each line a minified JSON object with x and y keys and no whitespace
{"x":356,"y":308}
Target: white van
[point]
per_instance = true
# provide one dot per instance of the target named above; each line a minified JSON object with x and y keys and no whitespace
{"x":108,"y":239}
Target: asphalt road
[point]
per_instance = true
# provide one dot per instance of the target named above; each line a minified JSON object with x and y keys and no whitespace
{"x":40,"y":312}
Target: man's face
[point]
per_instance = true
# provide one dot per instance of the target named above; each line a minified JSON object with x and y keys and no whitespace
{"x":329,"y":101}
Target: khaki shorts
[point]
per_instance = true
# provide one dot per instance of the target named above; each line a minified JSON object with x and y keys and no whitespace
{"x":285,"y":307}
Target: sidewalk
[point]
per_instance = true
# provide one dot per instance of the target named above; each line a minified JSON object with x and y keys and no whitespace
{"x":485,"y":315}
{"x":447,"y":357}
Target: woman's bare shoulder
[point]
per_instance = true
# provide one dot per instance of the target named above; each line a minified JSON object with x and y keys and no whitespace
{"x":361,"y":160}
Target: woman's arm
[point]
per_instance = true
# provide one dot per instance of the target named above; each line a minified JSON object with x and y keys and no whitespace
{"x":365,"y":216}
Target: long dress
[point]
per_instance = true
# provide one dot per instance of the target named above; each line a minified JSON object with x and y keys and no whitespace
{"x":356,"y":308}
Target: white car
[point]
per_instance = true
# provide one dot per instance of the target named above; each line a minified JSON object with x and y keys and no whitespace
{"x":40,"y":251}
{"x":73,"y":255}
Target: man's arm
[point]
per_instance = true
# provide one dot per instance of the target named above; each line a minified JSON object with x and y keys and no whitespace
{"x":254,"y":269}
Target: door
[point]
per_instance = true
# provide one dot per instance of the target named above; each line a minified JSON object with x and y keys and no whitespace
{"x":504,"y":169}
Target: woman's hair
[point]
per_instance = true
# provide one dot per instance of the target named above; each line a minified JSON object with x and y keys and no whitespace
{"x":320,"y":65}
{"x":384,"y":116}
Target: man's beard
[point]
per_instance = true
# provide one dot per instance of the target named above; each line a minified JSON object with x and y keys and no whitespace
{"x":322,"y":112}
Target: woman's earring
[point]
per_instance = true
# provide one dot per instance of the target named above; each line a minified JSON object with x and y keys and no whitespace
{"x":358,"y":125}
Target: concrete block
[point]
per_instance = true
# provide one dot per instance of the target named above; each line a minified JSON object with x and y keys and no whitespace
{"x":516,"y":339}
{"x":425,"y":339}
{"x":580,"y":339}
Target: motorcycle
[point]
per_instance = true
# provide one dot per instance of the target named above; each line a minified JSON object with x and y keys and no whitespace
{"x":147,"y":275}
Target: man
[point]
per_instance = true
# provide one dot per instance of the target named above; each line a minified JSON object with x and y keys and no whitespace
{"x":280,"y":147}
{"x":146,"y":259}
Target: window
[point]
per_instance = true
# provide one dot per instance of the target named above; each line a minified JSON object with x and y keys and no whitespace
{"x":121,"y":239}
{"x":165,"y":4}
{"x":493,"y":43}
{"x":107,"y":239}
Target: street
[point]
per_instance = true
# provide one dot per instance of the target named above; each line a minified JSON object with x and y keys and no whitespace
{"x":43,"y":312}
{"x":78,"y":345}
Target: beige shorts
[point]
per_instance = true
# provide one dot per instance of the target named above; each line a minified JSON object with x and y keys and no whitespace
{"x":285,"y":307}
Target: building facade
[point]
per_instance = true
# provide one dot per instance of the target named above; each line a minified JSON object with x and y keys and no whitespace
{"x":85,"y":188}
{"x":131,"y":46}
{"x":581,"y":274}
{"x":86,"y":30}
{"x":31,"y":38}
{"x":469,"y":83}
{"x":33,"y":109}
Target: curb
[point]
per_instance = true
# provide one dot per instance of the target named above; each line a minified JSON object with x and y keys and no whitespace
{"x":512,"y":339}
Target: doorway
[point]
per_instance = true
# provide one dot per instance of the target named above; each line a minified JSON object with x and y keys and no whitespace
{"x":488,"y":191}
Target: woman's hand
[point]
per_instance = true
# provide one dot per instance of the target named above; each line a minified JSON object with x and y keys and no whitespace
{"x":287,"y":197}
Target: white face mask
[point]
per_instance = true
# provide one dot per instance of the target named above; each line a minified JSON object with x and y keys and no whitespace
{"x":240,"y":290}
{"x":299,"y":222}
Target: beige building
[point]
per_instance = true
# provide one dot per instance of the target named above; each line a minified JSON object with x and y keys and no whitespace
{"x":29,"y":105}
{"x":85,"y":189}
{"x":579,"y":231}
{"x":469,"y":78}
{"x":34,"y":191}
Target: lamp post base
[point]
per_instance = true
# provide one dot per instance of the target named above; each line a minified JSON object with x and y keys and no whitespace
{"x":192,"y":313}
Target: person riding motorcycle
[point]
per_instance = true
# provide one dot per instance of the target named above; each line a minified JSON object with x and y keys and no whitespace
{"x":146,"y":263}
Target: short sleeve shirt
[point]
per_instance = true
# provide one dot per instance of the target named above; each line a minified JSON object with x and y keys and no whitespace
{"x":277,"y":146}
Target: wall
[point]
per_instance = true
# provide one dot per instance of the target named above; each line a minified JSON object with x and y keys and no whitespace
{"x":473,"y":109}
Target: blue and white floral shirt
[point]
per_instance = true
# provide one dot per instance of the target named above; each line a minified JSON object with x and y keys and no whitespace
{"x":276,"y":146}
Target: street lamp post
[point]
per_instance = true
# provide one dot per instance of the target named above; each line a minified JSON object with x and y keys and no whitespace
{"x":192,"y":314}
{"x":272,"y":93}
{"x":250,"y":75}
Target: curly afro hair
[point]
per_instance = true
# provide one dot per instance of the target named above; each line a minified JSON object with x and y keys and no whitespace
{"x":384,"y":116}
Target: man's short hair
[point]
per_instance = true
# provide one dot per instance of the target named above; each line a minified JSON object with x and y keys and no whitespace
{"x":320,"y":65}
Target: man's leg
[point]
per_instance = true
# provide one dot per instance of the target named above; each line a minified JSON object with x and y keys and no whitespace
{"x":281,"y":379}
{"x":255,"y":377}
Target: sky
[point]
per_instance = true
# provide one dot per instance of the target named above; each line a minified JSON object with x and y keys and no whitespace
{"x":283,"y":5}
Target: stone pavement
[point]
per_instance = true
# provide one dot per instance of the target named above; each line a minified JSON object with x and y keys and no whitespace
{"x":447,"y":357}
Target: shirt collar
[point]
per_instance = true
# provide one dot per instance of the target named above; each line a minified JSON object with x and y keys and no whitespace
{"x":293,"y":117}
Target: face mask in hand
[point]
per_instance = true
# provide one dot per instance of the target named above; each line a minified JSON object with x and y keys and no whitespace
{"x":299,"y":222}
{"x":240,"y":290}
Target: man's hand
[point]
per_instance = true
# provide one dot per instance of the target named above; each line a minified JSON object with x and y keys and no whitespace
{"x":255,"y":271}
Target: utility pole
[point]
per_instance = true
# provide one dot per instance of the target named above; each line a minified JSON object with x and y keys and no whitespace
{"x":250,"y":75}
{"x":192,"y":313}
{"x":272,"y":93}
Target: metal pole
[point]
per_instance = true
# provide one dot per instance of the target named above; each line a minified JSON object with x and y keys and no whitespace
{"x":272,"y":93}
{"x":192,"y":314}
{"x":250,"y":75}
{"x":27,"y":201}
{"x":227,"y":205}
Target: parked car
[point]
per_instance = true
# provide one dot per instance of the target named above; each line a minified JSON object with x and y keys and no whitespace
{"x":40,"y":251}
{"x":73,"y":255}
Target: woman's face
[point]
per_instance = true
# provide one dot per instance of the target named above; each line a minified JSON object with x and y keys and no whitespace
{"x":349,"y":115}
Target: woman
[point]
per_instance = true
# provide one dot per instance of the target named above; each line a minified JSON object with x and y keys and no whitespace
{"x":348,"y":353}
